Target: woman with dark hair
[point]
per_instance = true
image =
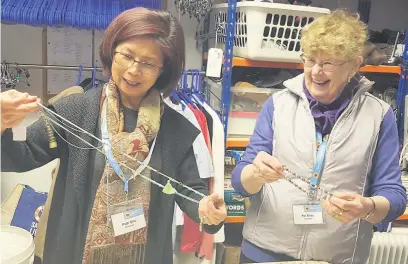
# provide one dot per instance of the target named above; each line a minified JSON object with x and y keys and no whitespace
{"x":144,"y":52}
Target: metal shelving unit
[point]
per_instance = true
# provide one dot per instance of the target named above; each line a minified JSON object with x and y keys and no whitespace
{"x":228,"y":59}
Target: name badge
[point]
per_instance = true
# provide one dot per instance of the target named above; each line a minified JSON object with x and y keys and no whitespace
{"x":308,"y":214}
{"x":128,"y":221}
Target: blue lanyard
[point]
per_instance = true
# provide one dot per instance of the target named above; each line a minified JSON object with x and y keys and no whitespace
{"x":318,"y":167}
{"x":109,"y":155}
{"x":108,"y":150}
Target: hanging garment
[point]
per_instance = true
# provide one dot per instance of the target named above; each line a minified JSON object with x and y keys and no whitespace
{"x":202,"y":121}
{"x":205,"y":168}
{"x":206,"y":249}
{"x":216,"y":184}
{"x":201,"y":152}
{"x":191,"y":237}
{"x":218,"y":155}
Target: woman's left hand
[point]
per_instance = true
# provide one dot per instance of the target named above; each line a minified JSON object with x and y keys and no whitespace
{"x":212,"y":209}
{"x":346,"y":207}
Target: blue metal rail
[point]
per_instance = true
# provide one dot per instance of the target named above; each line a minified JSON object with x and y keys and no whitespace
{"x":227,"y":70}
{"x":402,"y":91}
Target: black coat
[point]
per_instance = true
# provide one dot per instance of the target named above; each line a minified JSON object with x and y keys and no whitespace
{"x":69,"y":216}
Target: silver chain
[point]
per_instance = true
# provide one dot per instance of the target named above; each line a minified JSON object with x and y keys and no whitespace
{"x":289,"y":176}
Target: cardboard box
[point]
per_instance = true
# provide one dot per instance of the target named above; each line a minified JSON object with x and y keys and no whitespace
{"x":231,"y":196}
{"x":227,"y":254}
{"x":237,"y":205}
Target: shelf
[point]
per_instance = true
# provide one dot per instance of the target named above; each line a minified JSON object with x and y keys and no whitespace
{"x":237,"y":142}
{"x":381,"y":69}
{"x":284,"y":65}
{"x":241,"y":219}
{"x":235,"y":219}
{"x":404,"y":216}
{"x":242,"y":62}
{"x":265,"y":64}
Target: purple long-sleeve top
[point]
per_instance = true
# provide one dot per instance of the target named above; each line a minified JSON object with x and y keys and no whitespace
{"x":385,"y":178}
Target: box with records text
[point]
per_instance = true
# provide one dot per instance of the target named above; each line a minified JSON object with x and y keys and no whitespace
{"x":236,"y":203}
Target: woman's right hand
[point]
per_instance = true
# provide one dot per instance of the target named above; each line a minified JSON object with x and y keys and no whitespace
{"x":266,"y":168}
{"x":15,"y":106}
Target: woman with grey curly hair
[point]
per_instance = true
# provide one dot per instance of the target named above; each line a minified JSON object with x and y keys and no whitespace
{"x":322,"y":165}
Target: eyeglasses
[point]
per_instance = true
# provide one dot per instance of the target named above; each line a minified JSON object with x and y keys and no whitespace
{"x":326,"y":66}
{"x":128,"y":61}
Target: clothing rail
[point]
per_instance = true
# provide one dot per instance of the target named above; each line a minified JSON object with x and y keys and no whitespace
{"x":51,"y":67}
{"x":64,"y":67}
{"x":190,"y":73}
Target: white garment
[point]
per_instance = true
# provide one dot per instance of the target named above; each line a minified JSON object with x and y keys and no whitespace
{"x":201,"y":152}
{"x":218,"y":155}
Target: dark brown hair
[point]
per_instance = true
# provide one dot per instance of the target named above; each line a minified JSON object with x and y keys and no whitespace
{"x":157,"y":24}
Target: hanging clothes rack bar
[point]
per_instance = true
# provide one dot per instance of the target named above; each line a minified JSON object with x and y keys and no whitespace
{"x":64,"y":67}
{"x":190,"y":73}
{"x":51,"y":67}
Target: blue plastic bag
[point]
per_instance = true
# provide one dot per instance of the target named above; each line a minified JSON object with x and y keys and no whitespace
{"x":29,"y":209}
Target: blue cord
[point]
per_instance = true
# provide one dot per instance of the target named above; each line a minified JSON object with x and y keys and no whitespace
{"x":4,"y":9}
{"x":100,"y":15}
{"x":19,"y":14}
{"x":15,"y":12}
{"x":82,"y":16}
{"x":88,"y":15}
{"x":30,"y":11}
{"x":48,"y":16}
{"x":92,"y":23}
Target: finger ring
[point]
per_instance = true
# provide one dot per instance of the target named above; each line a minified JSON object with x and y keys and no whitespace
{"x":340,"y":213}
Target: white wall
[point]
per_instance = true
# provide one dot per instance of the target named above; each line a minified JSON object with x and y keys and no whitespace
{"x":23,"y":44}
{"x":391,"y":14}
{"x":193,"y":56}
{"x":25,"y":47}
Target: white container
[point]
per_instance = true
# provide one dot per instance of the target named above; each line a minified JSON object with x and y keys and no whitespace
{"x":265,"y":31}
{"x":16,"y":245}
{"x":246,"y":103}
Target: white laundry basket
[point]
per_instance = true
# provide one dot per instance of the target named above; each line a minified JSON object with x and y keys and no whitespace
{"x":264,"y":31}
{"x":16,"y":245}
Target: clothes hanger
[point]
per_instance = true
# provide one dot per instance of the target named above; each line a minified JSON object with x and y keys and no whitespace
{"x":95,"y":81}
{"x":184,"y":91}
{"x":197,"y":91}
{"x":79,"y":75}
{"x":174,"y":96}
{"x":194,"y":87}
